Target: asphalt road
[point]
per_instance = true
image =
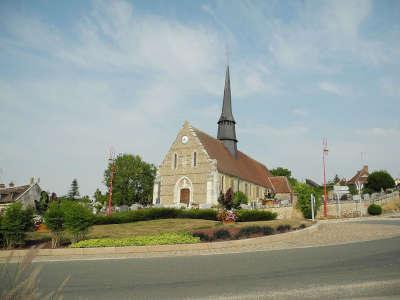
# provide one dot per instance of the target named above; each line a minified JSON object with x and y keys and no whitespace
{"x":350,"y":271}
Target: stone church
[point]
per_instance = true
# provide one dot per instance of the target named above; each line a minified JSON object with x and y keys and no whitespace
{"x":198,"y":167}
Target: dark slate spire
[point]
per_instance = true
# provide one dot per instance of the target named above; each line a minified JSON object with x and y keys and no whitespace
{"x":226,"y":123}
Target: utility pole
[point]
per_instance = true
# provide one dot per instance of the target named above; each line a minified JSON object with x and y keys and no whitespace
{"x":112,"y":162}
{"x":324,"y":156}
{"x":312,"y":206}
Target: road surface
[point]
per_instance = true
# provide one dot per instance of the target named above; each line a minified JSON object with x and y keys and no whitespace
{"x":355,"y":270}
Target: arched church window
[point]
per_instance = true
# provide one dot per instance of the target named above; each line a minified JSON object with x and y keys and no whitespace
{"x":175,"y":160}
{"x":194,"y":159}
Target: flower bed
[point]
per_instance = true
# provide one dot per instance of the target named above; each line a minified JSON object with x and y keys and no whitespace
{"x":160,"y":239}
{"x":234,"y":233}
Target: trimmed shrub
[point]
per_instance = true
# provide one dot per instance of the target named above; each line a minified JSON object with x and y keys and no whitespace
{"x":206,"y":214}
{"x":15,"y":223}
{"x":146,"y":240}
{"x":155,"y":214}
{"x":245,"y":215}
{"x":54,"y":219}
{"x":78,"y":219}
{"x":222,"y":234}
{"x":203,"y":236}
{"x":374,"y":209}
{"x":254,"y":230}
{"x":266,"y":230}
{"x":283,"y":228}
{"x":249,"y":230}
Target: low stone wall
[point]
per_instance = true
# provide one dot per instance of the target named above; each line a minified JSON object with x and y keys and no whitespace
{"x":286,"y":212}
{"x":348,"y":209}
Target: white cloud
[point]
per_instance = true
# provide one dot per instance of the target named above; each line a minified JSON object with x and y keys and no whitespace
{"x":331,"y":88}
{"x":300,"y":112}
{"x":380,"y":132}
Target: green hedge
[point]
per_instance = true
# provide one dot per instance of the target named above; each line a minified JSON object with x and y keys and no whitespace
{"x":255,"y":215}
{"x":156,"y":213}
{"x":146,"y":240}
{"x":173,"y":213}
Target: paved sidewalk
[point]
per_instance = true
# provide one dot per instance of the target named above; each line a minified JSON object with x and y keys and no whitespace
{"x":328,"y":232}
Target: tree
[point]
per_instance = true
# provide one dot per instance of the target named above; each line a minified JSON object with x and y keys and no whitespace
{"x":279,"y":171}
{"x":379,"y":180}
{"x":43,"y":203}
{"x":74,"y":190}
{"x":133,"y":180}
{"x":99,"y":197}
{"x":336,"y":179}
{"x":15,"y":223}
{"x":54,"y":219}
{"x":226,"y":200}
{"x":304,"y":192}
{"x":239,"y":198}
{"x":78,"y":218}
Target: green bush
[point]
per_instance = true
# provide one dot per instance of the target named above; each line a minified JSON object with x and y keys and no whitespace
{"x":304,"y":192}
{"x":15,"y":223}
{"x":374,"y":209}
{"x":221,"y":234}
{"x":54,"y":219}
{"x":172,"y":213}
{"x":160,"y":239}
{"x":249,"y":230}
{"x":203,"y":236}
{"x":266,"y":230}
{"x":239,"y":198}
{"x":78,"y":219}
{"x":206,"y":214}
{"x":245,"y":215}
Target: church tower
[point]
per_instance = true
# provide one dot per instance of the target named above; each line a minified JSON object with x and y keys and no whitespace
{"x":226,"y":123}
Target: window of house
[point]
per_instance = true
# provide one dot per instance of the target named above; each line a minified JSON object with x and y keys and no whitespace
{"x":246,"y":189}
{"x":194,"y":159}
{"x":257,"y":192}
{"x":222,"y":183}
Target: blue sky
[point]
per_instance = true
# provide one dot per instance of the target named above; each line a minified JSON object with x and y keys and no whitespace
{"x":78,"y":77}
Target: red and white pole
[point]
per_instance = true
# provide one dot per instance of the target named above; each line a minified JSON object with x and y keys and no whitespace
{"x":324,"y":155}
{"x":112,"y":160}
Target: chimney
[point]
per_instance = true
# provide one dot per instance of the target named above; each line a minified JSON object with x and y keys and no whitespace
{"x":11,"y":184}
{"x":2,"y":186}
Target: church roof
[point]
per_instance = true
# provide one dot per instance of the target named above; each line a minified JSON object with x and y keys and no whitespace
{"x":226,"y":113}
{"x":281,"y":184}
{"x":242,"y":166}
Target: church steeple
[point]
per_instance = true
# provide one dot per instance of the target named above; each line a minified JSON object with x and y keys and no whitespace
{"x":226,"y":123}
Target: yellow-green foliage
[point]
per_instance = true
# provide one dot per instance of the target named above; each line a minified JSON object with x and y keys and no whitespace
{"x":145,"y":240}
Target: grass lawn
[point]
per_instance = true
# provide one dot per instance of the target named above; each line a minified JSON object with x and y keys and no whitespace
{"x":149,"y":227}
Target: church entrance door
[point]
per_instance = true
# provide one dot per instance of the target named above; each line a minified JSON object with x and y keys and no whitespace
{"x":185,"y":196}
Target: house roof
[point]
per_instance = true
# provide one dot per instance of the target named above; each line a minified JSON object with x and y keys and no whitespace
{"x":12,"y":194}
{"x":242,"y":166}
{"x":281,"y":184}
{"x":361,"y":176}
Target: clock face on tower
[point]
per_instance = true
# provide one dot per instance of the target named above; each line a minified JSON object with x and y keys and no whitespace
{"x":185,"y":139}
